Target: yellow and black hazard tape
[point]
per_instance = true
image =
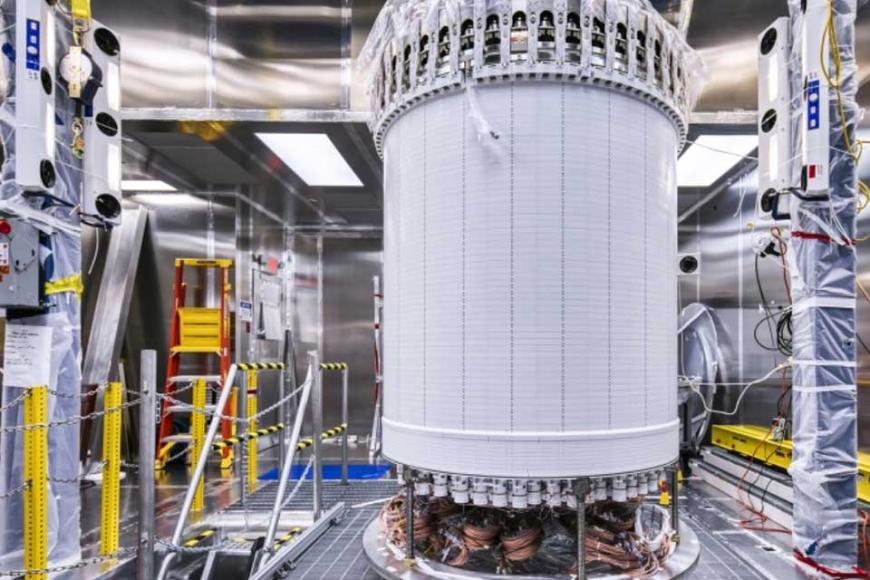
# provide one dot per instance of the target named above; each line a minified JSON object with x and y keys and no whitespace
{"x":328,"y":434}
{"x":265,"y":366}
{"x":333,"y":366}
{"x":288,"y":537}
{"x":201,"y":537}
{"x":235,"y":440}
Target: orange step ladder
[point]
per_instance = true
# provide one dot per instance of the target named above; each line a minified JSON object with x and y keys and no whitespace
{"x":196,"y":330}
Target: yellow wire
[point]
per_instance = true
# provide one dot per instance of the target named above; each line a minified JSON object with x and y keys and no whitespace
{"x":855,"y":149}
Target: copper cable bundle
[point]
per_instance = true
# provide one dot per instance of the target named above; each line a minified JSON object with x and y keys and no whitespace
{"x":480,"y":537}
{"x":522,"y":545}
{"x":512,"y":539}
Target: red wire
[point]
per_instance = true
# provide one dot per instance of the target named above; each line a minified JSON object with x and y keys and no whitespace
{"x":858,"y":573}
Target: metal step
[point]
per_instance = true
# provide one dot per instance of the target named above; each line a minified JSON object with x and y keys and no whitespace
{"x":187,"y":379}
{"x":209,"y":409}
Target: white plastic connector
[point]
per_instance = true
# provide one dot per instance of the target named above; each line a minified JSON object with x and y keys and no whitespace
{"x":479,"y":495}
{"x":459,"y":489}
{"x":554,"y":493}
{"x":600,"y":490}
{"x":631,"y":486}
{"x":499,"y":494}
{"x":519,"y":494}
{"x":439,"y":485}
{"x":535,"y":495}
{"x":619,"y":489}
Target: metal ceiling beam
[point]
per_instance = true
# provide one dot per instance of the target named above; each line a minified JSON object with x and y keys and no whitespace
{"x":229,"y":115}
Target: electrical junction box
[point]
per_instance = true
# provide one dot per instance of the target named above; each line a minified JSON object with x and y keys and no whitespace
{"x":34,"y":95}
{"x":101,"y":197}
{"x":775,"y":133}
{"x":21,"y":284}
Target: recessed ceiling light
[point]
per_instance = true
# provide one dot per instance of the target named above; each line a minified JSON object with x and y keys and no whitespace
{"x":167,"y":199}
{"x":712,"y":156}
{"x":313,"y":157}
{"x":145,"y":185}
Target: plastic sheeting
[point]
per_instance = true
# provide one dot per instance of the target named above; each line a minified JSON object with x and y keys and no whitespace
{"x":399,"y":20}
{"x":61,"y":257}
{"x":824,"y":465}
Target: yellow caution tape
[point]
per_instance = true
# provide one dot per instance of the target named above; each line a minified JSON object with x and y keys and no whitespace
{"x":71,"y":283}
{"x":261,"y":366}
{"x":333,"y":366}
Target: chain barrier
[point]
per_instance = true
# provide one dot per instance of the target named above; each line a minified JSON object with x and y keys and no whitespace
{"x":13,"y":492}
{"x":65,"y":422}
{"x":84,"y":563}
{"x":14,"y":402}
{"x":170,"y":547}
{"x":238,"y":420}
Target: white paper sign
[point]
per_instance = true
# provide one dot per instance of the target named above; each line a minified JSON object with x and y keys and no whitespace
{"x":246,"y":311}
{"x":28,"y":355}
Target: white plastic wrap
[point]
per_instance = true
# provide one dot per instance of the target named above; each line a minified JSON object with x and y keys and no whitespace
{"x":824,"y":464}
{"x":61,"y":257}
{"x":401,"y":24}
{"x":530,"y":308}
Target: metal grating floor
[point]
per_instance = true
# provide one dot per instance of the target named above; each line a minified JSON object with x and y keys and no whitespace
{"x":355,"y":492}
{"x":728,"y":552}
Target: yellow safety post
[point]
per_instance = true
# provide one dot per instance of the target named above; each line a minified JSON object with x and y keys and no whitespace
{"x":36,"y":476}
{"x":228,"y":458}
{"x":197,"y":438}
{"x":111,"y":493}
{"x":252,"y":430}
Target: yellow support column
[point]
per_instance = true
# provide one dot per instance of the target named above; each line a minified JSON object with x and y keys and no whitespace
{"x":36,"y":475}
{"x":252,"y":430}
{"x":111,"y":493}
{"x":228,"y":458}
{"x":197,"y":435}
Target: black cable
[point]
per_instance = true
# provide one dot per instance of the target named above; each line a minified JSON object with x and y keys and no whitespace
{"x":861,"y":341}
{"x":766,"y":310}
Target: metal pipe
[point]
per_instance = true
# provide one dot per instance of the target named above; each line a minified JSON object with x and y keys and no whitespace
{"x":313,"y":365}
{"x":344,"y":384}
{"x":408,"y":476}
{"x":282,"y":410}
{"x":581,"y":491}
{"x":674,"y":487}
{"x":200,"y":467}
{"x":317,"y":450}
{"x":147,"y":443}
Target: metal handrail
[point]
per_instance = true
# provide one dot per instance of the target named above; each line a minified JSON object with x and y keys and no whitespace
{"x":286,"y":467}
{"x":200,"y":469}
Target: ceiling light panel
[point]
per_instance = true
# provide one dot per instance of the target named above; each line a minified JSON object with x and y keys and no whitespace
{"x":145,"y":185}
{"x":313,"y":157}
{"x":710,"y":157}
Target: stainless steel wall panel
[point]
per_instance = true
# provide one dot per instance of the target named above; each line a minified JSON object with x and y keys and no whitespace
{"x":277,"y":55}
{"x":165,"y":50}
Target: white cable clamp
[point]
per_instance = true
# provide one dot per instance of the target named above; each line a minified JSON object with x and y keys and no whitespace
{"x":825,"y":389}
{"x":823,"y":302}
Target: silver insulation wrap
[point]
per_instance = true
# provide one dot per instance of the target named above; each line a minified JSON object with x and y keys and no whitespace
{"x":823,"y":263}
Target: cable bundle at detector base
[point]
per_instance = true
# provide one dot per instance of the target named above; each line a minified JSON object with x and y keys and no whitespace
{"x":632,"y":539}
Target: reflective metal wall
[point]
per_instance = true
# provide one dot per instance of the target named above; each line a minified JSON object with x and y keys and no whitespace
{"x":724,"y":235}
{"x":225,"y":226}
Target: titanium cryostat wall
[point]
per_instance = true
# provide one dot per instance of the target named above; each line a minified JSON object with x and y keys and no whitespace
{"x":530,"y":283}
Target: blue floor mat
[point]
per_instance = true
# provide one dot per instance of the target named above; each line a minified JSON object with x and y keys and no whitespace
{"x":334,"y":472}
